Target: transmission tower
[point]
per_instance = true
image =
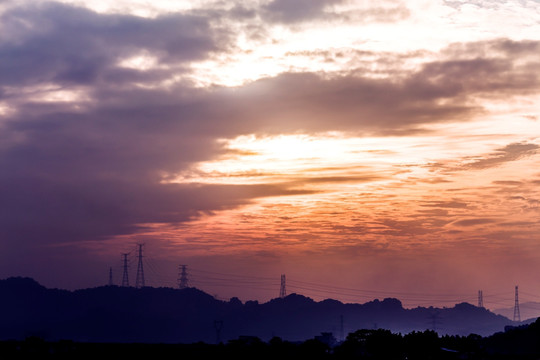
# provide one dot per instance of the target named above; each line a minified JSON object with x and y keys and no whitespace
{"x":282,"y":290}
{"x":125,"y":277}
{"x":110,"y":277}
{"x":139,"y":280}
{"x":182,"y":277}
{"x":517,"y":316}
{"x":218,"y":325}
{"x":435,"y":318}
{"x":341,"y":332}
{"x":480,"y":299}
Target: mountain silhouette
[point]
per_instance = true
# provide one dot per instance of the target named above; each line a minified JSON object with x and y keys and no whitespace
{"x":166,"y":315}
{"x":529,"y":310}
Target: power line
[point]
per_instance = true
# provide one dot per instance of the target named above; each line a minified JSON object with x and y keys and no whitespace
{"x":375,"y":292}
{"x":235,"y":279}
{"x":363,"y":294}
{"x":232,"y":275}
{"x":206,"y":278}
{"x":218,"y":279}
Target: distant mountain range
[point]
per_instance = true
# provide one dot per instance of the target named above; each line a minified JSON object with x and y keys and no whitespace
{"x":166,"y":315}
{"x":528,"y":310}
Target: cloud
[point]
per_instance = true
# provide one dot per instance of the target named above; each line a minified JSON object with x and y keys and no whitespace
{"x":52,"y":42}
{"x":409,"y":228}
{"x":299,"y":11}
{"x":439,"y":91}
{"x":507,"y":154}
{"x":92,"y":167}
{"x":47,"y":211}
{"x":511,"y":152}
{"x":340,"y":179}
{"x":310,"y":102}
{"x":474,"y":222}
{"x":446,"y":204}
{"x":96,"y":173}
{"x":295,"y":11}
{"x":508,"y":182}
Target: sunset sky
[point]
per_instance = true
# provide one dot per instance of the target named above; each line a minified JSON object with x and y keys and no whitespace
{"x":366,"y":149}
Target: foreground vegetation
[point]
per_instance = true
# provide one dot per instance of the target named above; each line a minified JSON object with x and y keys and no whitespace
{"x":514,"y":343}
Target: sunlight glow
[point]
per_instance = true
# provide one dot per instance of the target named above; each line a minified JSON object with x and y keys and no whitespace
{"x":139,"y":62}
{"x":49,"y":92}
{"x":5,"y":109}
{"x":143,"y":8}
{"x":255,"y":159}
{"x":440,"y":97}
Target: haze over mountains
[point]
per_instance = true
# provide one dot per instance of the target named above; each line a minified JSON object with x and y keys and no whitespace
{"x":166,"y":315}
{"x":528,"y":310}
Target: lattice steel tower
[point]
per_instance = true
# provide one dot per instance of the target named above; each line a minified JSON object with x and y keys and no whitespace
{"x":182,"y":277}
{"x":218,"y":325}
{"x":139,"y":280}
{"x":480,"y":299}
{"x":125,"y":277}
{"x":110,"y":277}
{"x":282,"y":290}
{"x":517,"y":316}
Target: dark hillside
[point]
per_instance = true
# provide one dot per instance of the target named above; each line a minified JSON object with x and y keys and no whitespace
{"x":165,"y":315}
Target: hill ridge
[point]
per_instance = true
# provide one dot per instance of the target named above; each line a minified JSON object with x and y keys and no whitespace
{"x":121,"y":314}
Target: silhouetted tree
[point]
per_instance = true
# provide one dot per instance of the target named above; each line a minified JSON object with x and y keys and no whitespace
{"x":371,"y":344}
{"x":314,"y":349}
{"x":423,"y":345}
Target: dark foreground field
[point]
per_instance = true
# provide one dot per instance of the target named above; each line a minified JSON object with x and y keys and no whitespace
{"x":514,"y":343}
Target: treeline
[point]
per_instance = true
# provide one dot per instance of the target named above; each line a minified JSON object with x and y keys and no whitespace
{"x":514,"y":343}
{"x":113,"y":314}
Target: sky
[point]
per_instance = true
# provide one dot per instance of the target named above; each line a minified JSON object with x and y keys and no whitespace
{"x":363,"y":149}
